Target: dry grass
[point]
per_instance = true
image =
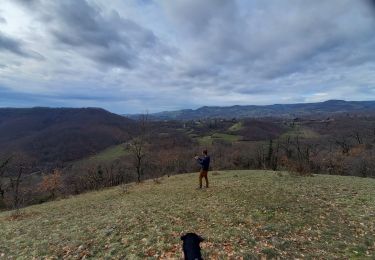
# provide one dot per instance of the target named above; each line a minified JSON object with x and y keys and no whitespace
{"x":256,"y":214}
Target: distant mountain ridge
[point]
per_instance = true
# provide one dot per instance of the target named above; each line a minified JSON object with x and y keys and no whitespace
{"x":276,"y":110}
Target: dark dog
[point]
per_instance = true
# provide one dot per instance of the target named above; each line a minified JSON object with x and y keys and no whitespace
{"x":191,"y":248}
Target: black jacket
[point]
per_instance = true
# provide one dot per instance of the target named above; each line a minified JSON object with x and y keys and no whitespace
{"x":204,"y":162}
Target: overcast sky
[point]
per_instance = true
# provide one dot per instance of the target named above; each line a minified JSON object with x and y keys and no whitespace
{"x":132,"y":56}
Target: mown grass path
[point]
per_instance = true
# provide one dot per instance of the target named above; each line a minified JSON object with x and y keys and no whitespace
{"x":243,"y":215}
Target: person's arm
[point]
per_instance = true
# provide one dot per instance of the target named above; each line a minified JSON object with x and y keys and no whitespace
{"x":199,"y":160}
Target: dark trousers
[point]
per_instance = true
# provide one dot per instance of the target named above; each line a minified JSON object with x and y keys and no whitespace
{"x":203,"y":174}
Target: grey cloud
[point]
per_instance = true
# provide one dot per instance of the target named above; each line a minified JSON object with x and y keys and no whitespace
{"x":78,"y":23}
{"x":274,"y":39}
{"x":104,"y":38}
{"x":12,"y":45}
{"x":28,"y":3}
{"x":198,"y":16}
{"x":371,"y":3}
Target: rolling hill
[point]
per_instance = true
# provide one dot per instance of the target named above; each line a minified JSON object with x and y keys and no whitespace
{"x":243,"y":215}
{"x":278,"y":110}
{"x":51,"y":135}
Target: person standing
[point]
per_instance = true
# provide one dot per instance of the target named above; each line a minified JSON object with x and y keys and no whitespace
{"x":205,"y":165}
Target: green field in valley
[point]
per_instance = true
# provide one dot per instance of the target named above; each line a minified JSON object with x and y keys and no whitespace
{"x":108,"y":155}
{"x":207,"y":140}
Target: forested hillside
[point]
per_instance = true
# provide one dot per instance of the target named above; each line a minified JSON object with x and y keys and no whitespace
{"x":56,"y":135}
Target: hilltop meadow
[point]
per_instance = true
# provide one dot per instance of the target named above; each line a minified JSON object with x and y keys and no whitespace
{"x":243,"y":215}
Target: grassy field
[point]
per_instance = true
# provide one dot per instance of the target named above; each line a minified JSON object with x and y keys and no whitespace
{"x":236,"y":127}
{"x":243,"y":215}
{"x":207,"y":140}
{"x":107,"y":155}
{"x":303,"y":132}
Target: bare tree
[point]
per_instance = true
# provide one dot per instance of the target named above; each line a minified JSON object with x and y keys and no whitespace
{"x":356,"y":135}
{"x":3,"y":166}
{"x":14,"y":182}
{"x":274,"y":159}
{"x":303,"y":154}
{"x":138,"y":146}
{"x":344,"y":145}
{"x":272,"y":155}
{"x":287,"y":147}
{"x":260,"y":157}
{"x":19,"y":166}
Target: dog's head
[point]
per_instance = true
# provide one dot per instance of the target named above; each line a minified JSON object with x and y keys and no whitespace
{"x":191,"y":246}
{"x":192,"y":237}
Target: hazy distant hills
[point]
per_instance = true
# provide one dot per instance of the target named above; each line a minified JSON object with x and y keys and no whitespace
{"x":51,"y":135}
{"x":277,"y":110}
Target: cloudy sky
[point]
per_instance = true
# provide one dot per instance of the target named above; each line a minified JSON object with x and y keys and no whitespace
{"x":132,"y":56}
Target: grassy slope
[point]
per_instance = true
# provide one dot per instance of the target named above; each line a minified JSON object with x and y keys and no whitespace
{"x":107,"y":155}
{"x":236,"y":127}
{"x":244,"y":214}
{"x":301,"y":131}
{"x":207,"y":140}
